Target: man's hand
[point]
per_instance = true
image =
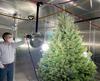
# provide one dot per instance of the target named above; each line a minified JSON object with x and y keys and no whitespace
{"x":2,"y":66}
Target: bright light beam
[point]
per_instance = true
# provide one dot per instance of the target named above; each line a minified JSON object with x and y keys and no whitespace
{"x":45,"y":46}
{"x":85,"y":54}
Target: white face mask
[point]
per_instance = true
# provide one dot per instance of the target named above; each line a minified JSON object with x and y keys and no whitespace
{"x":10,"y":40}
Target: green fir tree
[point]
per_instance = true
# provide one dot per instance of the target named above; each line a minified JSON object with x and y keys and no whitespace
{"x":65,"y":61}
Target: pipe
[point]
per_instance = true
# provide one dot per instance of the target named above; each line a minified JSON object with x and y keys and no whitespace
{"x":37,"y":15}
{"x":89,"y":19}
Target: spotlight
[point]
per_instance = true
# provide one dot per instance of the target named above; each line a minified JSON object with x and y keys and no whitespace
{"x":36,"y":40}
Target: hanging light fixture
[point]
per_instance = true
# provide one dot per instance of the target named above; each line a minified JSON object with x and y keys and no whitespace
{"x":36,"y":39}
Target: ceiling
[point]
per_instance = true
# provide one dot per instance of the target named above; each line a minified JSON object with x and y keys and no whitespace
{"x":80,"y":9}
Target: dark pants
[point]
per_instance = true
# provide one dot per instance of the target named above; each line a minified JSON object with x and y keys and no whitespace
{"x":7,"y":71}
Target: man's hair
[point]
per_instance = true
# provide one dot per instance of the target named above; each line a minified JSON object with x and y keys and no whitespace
{"x":5,"y":34}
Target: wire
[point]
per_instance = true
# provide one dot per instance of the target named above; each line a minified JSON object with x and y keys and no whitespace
{"x":12,"y":16}
{"x":32,"y":60}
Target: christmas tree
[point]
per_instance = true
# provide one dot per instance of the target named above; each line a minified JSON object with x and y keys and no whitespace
{"x":65,"y":61}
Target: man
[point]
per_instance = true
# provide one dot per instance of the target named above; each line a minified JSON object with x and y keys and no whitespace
{"x":7,"y":56}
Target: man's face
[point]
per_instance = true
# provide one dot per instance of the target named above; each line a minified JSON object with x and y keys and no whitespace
{"x":8,"y":38}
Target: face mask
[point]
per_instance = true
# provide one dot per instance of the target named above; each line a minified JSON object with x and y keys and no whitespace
{"x":10,"y":40}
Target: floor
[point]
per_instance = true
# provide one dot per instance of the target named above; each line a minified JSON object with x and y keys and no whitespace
{"x":24,"y":70}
